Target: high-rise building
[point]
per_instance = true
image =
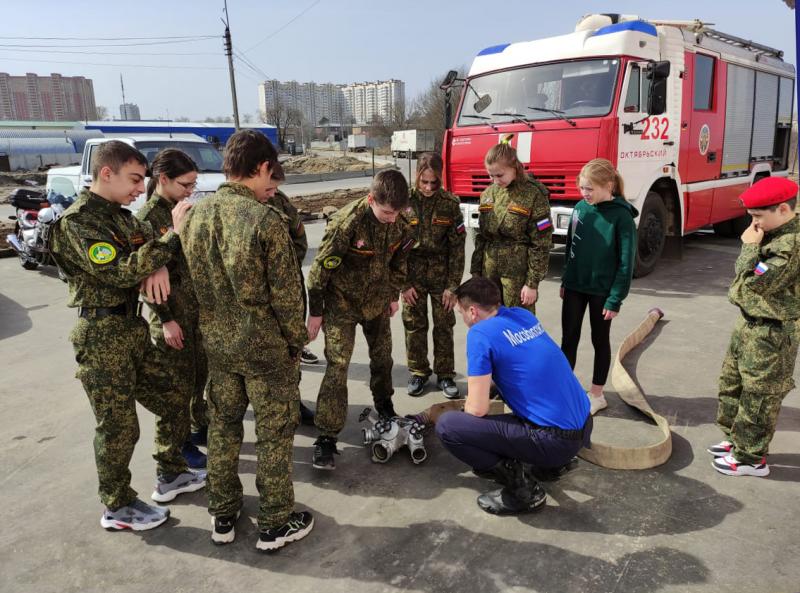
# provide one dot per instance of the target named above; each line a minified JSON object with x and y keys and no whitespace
{"x":359,"y":103}
{"x":46,"y":98}
{"x":129,"y":112}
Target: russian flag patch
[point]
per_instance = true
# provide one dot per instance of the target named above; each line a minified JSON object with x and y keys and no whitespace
{"x":760,"y":268}
{"x":544,"y":224}
{"x":461,"y":229}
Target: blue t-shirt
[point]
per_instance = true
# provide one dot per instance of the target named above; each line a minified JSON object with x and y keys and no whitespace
{"x":528,"y":367}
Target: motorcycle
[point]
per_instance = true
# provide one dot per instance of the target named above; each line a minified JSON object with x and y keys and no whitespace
{"x":36,"y":213}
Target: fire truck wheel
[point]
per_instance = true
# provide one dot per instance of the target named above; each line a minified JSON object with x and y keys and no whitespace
{"x":652,"y":234}
{"x":739,"y":225}
{"x":723,"y":229}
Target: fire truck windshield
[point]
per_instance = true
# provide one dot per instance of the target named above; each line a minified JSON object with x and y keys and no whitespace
{"x":565,"y":90}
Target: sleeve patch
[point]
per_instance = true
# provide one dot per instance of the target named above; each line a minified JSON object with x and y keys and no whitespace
{"x":760,"y":269}
{"x":102,"y":253}
{"x":461,"y":228}
{"x":521,"y":210}
{"x":544,"y":224}
{"x":331,"y":262}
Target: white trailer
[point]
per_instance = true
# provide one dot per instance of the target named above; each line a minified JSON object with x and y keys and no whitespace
{"x":408,"y":143}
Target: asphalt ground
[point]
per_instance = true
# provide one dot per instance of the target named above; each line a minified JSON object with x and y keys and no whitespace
{"x":400,"y":527}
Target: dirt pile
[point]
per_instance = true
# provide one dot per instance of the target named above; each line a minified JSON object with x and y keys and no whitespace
{"x":27,"y":179}
{"x":311,"y":206}
{"x":306,"y":164}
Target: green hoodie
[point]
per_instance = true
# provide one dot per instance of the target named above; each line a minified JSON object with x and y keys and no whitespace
{"x":601,"y":250}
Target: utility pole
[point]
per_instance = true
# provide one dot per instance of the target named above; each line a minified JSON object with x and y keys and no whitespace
{"x":229,"y":53}
{"x":124,"y":105}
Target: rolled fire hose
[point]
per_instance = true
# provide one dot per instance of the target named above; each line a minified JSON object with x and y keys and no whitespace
{"x":647,"y":456}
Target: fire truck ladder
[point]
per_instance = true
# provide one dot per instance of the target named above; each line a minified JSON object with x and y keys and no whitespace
{"x":700,"y":28}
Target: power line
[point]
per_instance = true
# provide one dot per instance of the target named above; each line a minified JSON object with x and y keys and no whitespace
{"x":115,"y":53}
{"x":286,"y":24}
{"x":95,"y":45}
{"x":168,"y":67}
{"x":111,"y":38}
{"x":249,"y":63}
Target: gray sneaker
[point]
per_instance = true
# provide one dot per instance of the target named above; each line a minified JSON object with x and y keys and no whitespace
{"x":169,"y":486}
{"x":138,"y":516}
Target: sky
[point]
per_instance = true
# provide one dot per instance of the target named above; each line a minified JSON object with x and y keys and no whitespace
{"x":340,"y":41}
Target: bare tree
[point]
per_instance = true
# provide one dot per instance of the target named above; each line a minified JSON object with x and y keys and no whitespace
{"x":102,"y":112}
{"x":789,"y":3}
{"x":282,"y":117}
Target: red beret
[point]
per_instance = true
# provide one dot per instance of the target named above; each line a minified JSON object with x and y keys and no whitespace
{"x":768,"y":192}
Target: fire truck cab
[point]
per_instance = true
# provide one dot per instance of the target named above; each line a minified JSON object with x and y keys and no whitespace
{"x":690,"y":116}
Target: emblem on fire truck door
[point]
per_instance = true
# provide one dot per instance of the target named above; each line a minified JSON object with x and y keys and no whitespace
{"x":704,"y":139}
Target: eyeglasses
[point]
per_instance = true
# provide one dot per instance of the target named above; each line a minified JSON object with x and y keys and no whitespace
{"x":188,"y":185}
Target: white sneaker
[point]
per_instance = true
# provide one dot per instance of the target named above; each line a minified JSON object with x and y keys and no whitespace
{"x":721,"y":449}
{"x":168,"y":487}
{"x":730,"y":466}
{"x":596,"y":403}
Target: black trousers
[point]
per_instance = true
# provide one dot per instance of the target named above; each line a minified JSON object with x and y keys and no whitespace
{"x":573,"y":308}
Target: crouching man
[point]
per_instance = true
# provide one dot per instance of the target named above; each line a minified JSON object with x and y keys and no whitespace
{"x":550,"y":418}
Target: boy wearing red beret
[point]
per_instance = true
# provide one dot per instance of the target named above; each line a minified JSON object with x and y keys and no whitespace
{"x":757,"y":371}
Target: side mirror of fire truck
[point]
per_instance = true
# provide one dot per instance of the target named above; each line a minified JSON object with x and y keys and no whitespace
{"x":449,"y":79}
{"x":657,"y":73}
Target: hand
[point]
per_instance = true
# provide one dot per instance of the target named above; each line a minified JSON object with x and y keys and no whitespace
{"x":608,"y":315}
{"x":528,"y":295}
{"x":409,"y":296}
{"x":449,"y":300}
{"x":393,"y":307}
{"x":179,"y":215}
{"x":312,"y":326}
{"x":173,"y":335}
{"x":561,"y":293}
{"x":155,"y":287}
{"x":752,"y":235}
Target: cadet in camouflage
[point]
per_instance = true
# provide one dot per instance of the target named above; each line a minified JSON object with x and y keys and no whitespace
{"x":174,"y":324}
{"x":435,"y":268}
{"x":105,"y":252}
{"x":513,"y":241}
{"x":244,"y":272}
{"x":758,"y":367}
{"x":355,"y":279}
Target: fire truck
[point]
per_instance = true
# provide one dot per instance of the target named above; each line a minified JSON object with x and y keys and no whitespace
{"x":690,"y":116}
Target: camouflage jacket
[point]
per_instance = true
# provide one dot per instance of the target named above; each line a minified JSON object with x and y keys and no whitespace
{"x":297,"y":231}
{"x":181,"y":305}
{"x":767,"y":282}
{"x":105,"y":251}
{"x":517,"y":218}
{"x":361,"y":263}
{"x":247,"y":283}
{"x":438,"y":227}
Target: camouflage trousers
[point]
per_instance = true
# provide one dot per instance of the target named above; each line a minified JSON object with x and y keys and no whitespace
{"x":496,"y":267}
{"x":118,"y":366}
{"x":415,"y":320}
{"x":189,"y":371}
{"x":756,"y":376}
{"x":277,"y":415}
{"x":340,"y":335}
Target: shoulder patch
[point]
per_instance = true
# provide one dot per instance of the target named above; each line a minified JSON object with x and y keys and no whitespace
{"x":760,"y":269}
{"x":461,"y":228}
{"x":102,"y":253}
{"x":331,"y":262}
{"x":544,"y":224}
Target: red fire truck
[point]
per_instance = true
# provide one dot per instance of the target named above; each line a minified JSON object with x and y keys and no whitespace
{"x":690,"y":116}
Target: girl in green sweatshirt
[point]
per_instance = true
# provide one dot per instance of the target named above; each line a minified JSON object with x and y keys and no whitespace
{"x":600,"y":255}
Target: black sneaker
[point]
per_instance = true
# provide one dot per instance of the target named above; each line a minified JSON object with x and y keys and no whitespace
{"x":324,"y":450}
{"x":385,"y":409}
{"x":297,"y":527}
{"x":449,"y":388}
{"x":416,"y":385}
{"x":306,"y":415}
{"x":199,"y":438}
{"x":308,"y":357}
{"x":223,"y":531}
{"x":193,"y":456}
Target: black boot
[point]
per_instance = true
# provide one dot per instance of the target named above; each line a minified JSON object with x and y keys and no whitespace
{"x":550,"y":474}
{"x":385,"y":409}
{"x":306,"y":415}
{"x":520,"y":492}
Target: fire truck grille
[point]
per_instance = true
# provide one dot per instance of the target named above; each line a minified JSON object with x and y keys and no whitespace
{"x":560,"y":180}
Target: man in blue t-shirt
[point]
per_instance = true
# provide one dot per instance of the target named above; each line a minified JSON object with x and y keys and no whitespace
{"x":550,"y":420}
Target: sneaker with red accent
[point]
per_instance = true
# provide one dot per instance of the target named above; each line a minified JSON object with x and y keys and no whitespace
{"x":729,"y":466}
{"x":721,"y":449}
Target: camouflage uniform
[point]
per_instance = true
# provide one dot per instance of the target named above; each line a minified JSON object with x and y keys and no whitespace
{"x":247,"y":285}
{"x":105,"y":252}
{"x":297,"y":233}
{"x":757,"y":370}
{"x":358,"y":271}
{"x":512,"y":245}
{"x":188,"y":366}
{"x":435,"y":263}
